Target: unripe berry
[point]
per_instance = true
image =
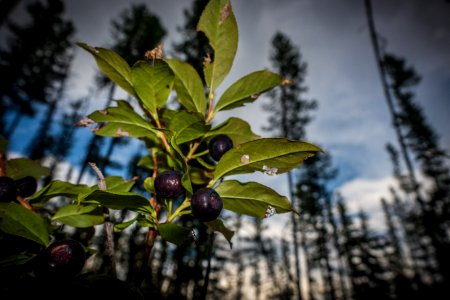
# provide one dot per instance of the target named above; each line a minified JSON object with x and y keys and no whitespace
{"x":206,"y":204}
{"x":168,"y":184}
{"x":8,"y":190}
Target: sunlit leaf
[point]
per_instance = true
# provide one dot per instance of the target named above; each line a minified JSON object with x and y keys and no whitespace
{"x":17,"y":220}
{"x":79,"y":216}
{"x":247,"y":89}
{"x":125,"y":119}
{"x":219,"y":25}
{"x":188,"y":85}
{"x":251,"y":198}
{"x":269,"y":155}
{"x":236,"y":129}
{"x":113,"y":66}
{"x":153,"y":82}
{"x":188,"y":126}
{"x":118,"y":184}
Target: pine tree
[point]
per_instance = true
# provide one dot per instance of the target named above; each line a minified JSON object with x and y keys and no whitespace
{"x":35,"y":64}
{"x":6,"y":7}
{"x":422,"y":141}
{"x":364,"y":254}
{"x":312,"y":192}
{"x":289,"y":115}
{"x":194,"y":46}
{"x":134,"y":32}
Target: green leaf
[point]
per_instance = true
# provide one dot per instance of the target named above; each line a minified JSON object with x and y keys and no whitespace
{"x":270,"y":155}
{"x":247,"y":89}
{"x":3,"y":144}
{"x":59,"y":188}
{"x":188,"y":85}
{"x":147,"y":160}
{"x":15,"y":260}
{"x":140,"y":219}
{"x":236,"y":129}
{"x":153,"y":83}
{"x":122,"y":226}
{"x":17,"y":220}
{"x":188,"y":126}
{"x":123,"y":121}
{"x":199,"y":176}
{"x":120,"y":200}
{"x":174,"y":233}
{"x":79,"y":216}
{"x":219,"y":25}
{"x":118,"y":184}
{"x":149,"y":184}
{"x":113,"y":66}
{"x":124,"y":130}
{"x":251,"y":198}
{"x":17,"y":168}
{"x":217,"y":225}
{"x":186,"y":182}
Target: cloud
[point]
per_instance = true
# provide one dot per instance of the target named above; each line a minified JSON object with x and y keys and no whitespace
{"x":365,"y":194}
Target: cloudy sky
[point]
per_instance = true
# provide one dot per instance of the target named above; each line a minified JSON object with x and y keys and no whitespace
{"x":352,"y":122}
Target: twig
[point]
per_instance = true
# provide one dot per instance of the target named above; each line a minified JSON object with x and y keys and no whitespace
{"x":109,"y":226}
{"x":2,"y":164}
{"x":152,"y":234}
{"x":24,"y":203}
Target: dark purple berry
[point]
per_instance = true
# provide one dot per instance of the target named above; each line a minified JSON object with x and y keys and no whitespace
{"x":206,"y":204}
{"x":26,"y":186}
{"x":7,"y":189}
{"x":219,"y":145}
{"x":65,"y":258}
{"x":168,"y":184}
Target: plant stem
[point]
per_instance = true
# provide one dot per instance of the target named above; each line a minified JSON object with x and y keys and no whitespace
{"x":180,"y":208}
{"x":152,"y":234}
{"x":24,"y":203}
{"x":155,"y":163}
{"x":210,"y":114}
{"x":2,"y":164}
{"x":149,"y":242}
{"x":162,"y":135}
{"x":109,"y":228}
{"x":192,"y":151}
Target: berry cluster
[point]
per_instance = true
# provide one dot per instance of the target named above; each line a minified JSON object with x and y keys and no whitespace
{"x":10,"y":188}
{"x":206,"y":203}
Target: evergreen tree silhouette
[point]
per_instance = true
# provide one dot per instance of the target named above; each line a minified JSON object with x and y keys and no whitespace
{"x":34,"y":65}
{"x":6,"y":7}
{"x":431,"y":216}
{"x":194,"y":46}
{"x":289,"y":114}
{"x":134,"y":32}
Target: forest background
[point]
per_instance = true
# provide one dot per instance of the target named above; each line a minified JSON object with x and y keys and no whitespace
{"x":343,"y":110}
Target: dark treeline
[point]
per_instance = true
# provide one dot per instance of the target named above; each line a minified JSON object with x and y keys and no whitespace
{"x":327,"y":252}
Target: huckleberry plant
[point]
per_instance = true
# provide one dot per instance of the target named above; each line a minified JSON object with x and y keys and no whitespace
{"x":191,"y":157}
